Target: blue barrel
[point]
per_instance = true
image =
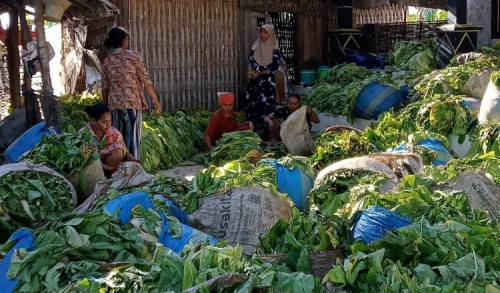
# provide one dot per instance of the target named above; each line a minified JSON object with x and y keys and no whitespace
{"x":295,"y":183}
{"x":28,"y":140}
{"x":375,"y":99}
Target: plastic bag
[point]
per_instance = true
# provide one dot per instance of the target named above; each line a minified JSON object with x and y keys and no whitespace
{"x":375,"y":222}
{"x":296,"y":135}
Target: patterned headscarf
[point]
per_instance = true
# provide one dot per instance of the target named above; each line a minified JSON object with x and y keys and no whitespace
{"x":263,"y":50}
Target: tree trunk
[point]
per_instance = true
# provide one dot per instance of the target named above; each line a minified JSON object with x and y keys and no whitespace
{"x":13,"y":59}
{"x":50,"y":104}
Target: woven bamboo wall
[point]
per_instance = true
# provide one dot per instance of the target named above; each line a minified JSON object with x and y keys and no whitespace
{"x":189,"y":48}
{"x":384,"y":14}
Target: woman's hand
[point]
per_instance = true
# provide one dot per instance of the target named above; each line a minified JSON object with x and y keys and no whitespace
{"x":157,"y":105}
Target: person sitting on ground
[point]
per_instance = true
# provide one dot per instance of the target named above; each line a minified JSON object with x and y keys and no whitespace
{"x":107,"y":139}
{"x":274,"y":120}
{"x":224,"y":121}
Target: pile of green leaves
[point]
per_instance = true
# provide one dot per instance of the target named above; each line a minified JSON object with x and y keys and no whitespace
{"x":77,"y":244}
{"x":452,"y":79}
{"x":418,"y":56}
{"x":28,"y":199}
{"x":73,"y":118}
{"x":234,"y":146}
{"x":93,"y":252}
{"x":329,"y":195}
{"x":449,"y":256}
{"x":302,"y":163}
{"x":67,"y":153}
{"x":441,"y":114}
{"x":495,"y":78}
{"x":488,"y":163}
{"x":169,"y":139}
{"x":338,"y":91}
{"x":338,"y":144}
{"x":305,"y":234}
{"x":486,"y":139}
{"x":232,"y":174}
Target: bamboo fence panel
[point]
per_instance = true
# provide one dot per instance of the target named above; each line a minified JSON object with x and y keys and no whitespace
{"x":189,"y":48}
{"x":384,"y":14}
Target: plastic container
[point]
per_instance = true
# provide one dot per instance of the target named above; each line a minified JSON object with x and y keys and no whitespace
{"x":322,"y":72}
{"x":375,"y":99}
{"x":307,"y":77}
{"x":28,"y":140}
{"x":295,"y":183}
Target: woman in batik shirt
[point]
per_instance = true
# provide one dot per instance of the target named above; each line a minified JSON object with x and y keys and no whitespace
{"x":124,"y":78}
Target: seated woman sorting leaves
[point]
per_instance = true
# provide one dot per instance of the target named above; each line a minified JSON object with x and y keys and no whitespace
{"x":107,"y":139}
{"x":224,"y":121}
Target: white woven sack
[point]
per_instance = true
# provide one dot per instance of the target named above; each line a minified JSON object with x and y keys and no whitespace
{"x":296,"y":135}
{"x":490,"y":106}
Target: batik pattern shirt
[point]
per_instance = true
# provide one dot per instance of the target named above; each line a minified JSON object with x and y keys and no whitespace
{"x":124,"y":78}
{"x":109,"y":142}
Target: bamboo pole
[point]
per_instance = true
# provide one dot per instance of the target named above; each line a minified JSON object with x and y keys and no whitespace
{"x":49,"y":102}
{"x":13,"y":59}
{"x":26,"y":38}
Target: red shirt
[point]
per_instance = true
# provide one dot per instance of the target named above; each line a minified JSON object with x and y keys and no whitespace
{"x":219,"y":125}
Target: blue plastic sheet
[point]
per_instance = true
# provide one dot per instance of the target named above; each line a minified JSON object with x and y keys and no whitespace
{"x":375,"y":222}
{"x":188,"y":234}
{"x":24,"y":238}
{"x":174,"y":210}
{"x":126,"y":203}
{"x":28,"y":140}
{"x":443,"y":155}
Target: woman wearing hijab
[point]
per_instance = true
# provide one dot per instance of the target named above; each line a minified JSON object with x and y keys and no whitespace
{"x":124,"y":78}
{"x":263,"y":64}
{"x":107,"y":139}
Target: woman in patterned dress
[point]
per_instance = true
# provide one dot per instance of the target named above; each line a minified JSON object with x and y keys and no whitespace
{"x":107,"y":139}
{"x":263,"y":62}
{"x":124,"y":78}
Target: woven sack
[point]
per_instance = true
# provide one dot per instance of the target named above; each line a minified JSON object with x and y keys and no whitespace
{"x":86,"y":182}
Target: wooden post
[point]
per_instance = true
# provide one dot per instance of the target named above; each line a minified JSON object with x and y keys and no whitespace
{"x":50,"y":105}
{"x":13,"y":59}
{"x":26,"y":38}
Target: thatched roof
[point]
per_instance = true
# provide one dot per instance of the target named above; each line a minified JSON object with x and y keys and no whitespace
{"x":79,"y":9}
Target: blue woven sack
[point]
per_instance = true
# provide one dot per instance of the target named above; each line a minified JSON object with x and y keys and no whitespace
{"x":295,"y":183}
{"x":24,"y":238}
{"x":375,"y":222}
{"x":188,"y":234}
{"x":126,"y":203}
{"x":28,"y":140}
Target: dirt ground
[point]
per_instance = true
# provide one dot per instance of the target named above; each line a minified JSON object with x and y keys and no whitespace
{"x":184,"y":173}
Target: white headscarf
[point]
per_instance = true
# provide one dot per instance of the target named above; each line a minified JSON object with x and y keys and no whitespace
{"x":263,"y":50}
